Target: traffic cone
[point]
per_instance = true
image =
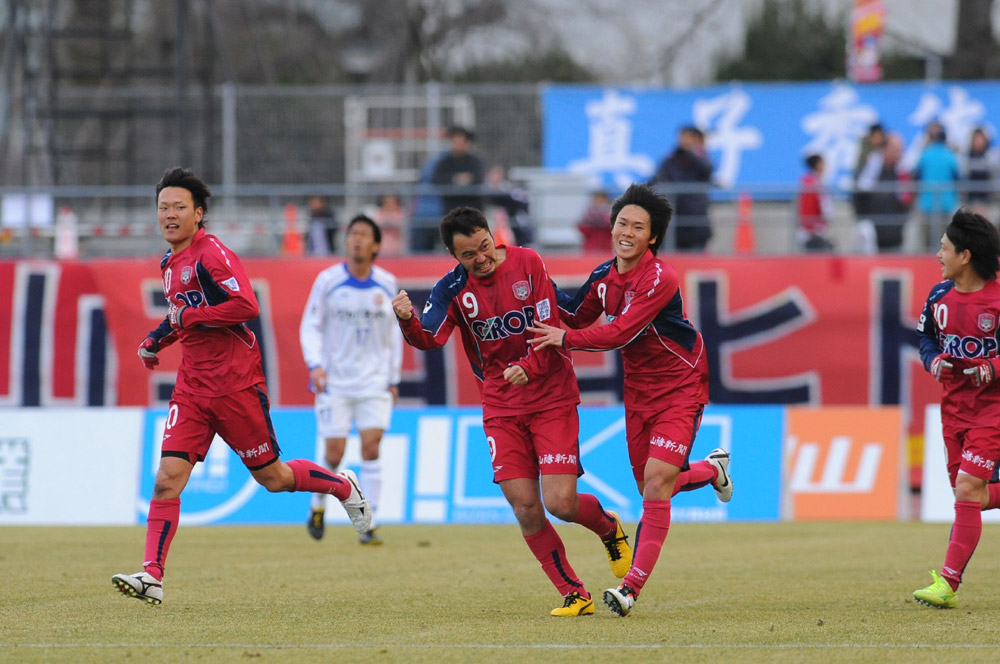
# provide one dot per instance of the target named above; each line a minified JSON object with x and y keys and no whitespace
{"x":745,"y":241}
{"x":501,"y":229}
{"x":291,"y":244}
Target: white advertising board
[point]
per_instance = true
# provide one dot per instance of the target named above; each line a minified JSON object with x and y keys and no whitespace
{"x":937,"y":502}
{"x":69,"y":466}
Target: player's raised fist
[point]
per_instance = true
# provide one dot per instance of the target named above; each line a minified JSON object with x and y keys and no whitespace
{"x":402,"y":306}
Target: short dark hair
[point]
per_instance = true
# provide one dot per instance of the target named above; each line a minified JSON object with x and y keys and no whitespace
{"x":812,"y":160}
{"x":459,"y":130}
{"x":972,"y":231}
{"x":655,"y":204}
{"x":186,"y":179}
{"x":463,"y":221}
{"x":694,"y":131}
{"x":365,"y":219}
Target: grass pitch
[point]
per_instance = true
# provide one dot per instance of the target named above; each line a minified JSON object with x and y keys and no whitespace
{"x":776,"y":592}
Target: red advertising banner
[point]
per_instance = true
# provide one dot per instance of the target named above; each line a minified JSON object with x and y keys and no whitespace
{"x":792,"y":330}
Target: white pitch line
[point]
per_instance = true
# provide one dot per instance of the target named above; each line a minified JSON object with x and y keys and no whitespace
{"x":502,"y":646}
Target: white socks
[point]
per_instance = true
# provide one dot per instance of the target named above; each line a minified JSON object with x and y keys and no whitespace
{"x":371,"y":482}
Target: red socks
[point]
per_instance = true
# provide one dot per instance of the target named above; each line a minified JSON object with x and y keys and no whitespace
{"x":994,"y":501}
{"x":649,"y":538}
{"x":161,"y":526}
{"x":593,"y":517}
{"x":550,"y":552}
{"x":316,"y":479}
{"x":965,"y":535}
{"x":698,"y":475}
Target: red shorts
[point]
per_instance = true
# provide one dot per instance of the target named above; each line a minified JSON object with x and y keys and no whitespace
{"x":545,"y":443}
{"x":242,"y":419}
{"x":973,"y":451}
{"x":666,"y":435}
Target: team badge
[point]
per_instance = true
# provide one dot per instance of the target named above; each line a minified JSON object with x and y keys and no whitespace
{"x":987,"y":322}
{"x":186,"y":274}
{"x":521,"y":289}
{"x":629,"y":294}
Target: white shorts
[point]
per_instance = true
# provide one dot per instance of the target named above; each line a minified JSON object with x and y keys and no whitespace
{"x":335,"y":414}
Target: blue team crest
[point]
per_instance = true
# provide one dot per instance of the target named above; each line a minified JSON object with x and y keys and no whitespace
{"x":521,"y":289}
{"x":987,"y":322}
{"x":186,"y":274}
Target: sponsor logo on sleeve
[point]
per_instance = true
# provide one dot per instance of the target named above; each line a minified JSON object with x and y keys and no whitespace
{"x":232,"y":284}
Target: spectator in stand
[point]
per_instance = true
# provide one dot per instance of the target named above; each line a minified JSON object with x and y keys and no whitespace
{"x":871,"y":143}
{"x":427,"y":209}
{"x":888,"y":198}
{"x":595,"y":222}
{"x":937,"y":173}
{"x":513,"y":202}
{"x":392,"y":218}
{"x":982,"y":164}
{"x":322,"y":237}
{"x":814,"y":208}
{"x":689,"y":167}
{"x":460,"y":171}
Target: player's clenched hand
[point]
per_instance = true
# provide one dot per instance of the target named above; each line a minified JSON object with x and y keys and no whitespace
{"x":548,"y":335}
{"x":317,"y":378}
{"x":147,"y":353}
{"x":982,"y":372}
{"x":402,"y":306}
{"x":515,"y":375}
{"x":941,"y":367}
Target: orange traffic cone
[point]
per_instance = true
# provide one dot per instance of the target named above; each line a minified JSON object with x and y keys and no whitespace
{"x":291,"y":244}
{"x":501,"y":229}
{"x":745,"y":241}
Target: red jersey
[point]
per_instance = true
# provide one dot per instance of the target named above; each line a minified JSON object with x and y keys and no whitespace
{"x":812,"y":204}
{"x":491,"y":314}
{"x":662,"y":353}
{"x":964,"y":325}
{"x":220,"y":354}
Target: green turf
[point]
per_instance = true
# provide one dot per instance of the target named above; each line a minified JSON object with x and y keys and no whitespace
{"x":827,"y":592}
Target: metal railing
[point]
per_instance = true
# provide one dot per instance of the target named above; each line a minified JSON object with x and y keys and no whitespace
{"x":256,"y":220}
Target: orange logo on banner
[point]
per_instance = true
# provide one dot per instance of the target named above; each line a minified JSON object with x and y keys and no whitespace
{"x":843,"y":463}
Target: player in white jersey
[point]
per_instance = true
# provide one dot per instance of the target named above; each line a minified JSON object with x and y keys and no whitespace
{"x":354,"y":349}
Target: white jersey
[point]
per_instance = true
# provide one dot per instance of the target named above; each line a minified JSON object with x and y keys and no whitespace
{"x":349,"y":329}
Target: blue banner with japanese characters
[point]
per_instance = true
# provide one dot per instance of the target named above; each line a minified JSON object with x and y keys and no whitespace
{"x":755,"y":133}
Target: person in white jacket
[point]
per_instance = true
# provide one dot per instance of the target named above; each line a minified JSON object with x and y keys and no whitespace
{"x":353,"y":348}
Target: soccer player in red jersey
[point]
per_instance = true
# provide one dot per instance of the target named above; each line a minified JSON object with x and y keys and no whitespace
{"x":959,"y":347}
{"x":666,"y":373}
{"x":529,"y":397}
{"x":220,"y":386}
